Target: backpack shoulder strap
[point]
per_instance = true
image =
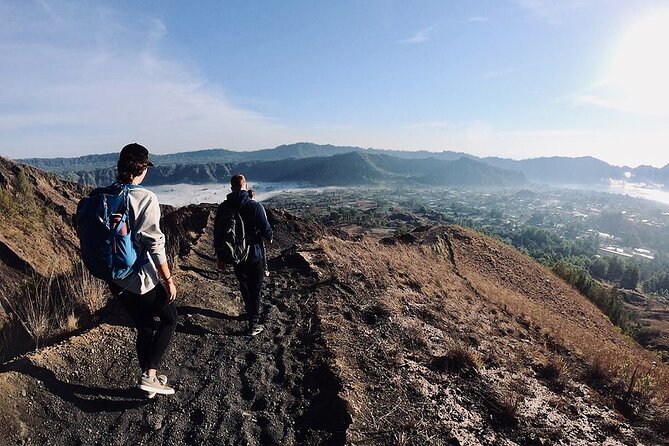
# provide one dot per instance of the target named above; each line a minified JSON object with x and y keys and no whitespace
{"x":117,"y":187}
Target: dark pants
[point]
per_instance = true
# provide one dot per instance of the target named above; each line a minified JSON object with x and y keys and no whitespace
{"x":250,"y":275}
{"x":152,"y":341}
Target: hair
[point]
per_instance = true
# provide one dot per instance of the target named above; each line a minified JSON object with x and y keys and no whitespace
{"x":237,"y":182}
{"x":128,"y":169}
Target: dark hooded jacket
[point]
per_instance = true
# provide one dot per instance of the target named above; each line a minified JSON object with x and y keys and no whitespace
{"x":255,"y":221}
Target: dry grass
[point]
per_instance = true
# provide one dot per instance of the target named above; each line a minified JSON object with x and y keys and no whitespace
{"x":413,"y":338}
{"x":375,"y":314}
{"x":597,"y":374}
{"x":503,"y":405}
{"x":418,"y":272}
{"x":461,"y":360}
{"x":49,"y":306}
{"x":72,"y":322}
{"x":32,"y":305}
{"x":83,"y":290}
{"x":401,"y":439}
{"x":413,"y":277}
{"x":555,"y":370}
{"x":607,"y":353}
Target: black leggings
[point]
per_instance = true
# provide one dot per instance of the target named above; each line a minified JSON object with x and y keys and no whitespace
{"x":250,"y":276}
{"x":152,"y":341}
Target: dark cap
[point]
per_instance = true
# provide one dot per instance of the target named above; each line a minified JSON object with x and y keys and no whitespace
{"x":134,"y":152}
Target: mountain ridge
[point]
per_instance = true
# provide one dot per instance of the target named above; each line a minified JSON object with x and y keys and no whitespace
{"x":346,"y":169}
{"x":555,"y":169}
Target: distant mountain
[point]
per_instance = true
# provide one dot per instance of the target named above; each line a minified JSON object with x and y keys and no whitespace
{"x":561,"y":170}
{"x":552,"y":170}
{"x":651,"y":175}
{"x":108,"y":160}
{"x":353,"y":168}
{"x":296,"y":151}
{"x":582,"y":170}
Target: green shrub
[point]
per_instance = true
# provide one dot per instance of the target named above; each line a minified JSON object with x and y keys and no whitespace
{"x":6,"y":202}
{"x":606,"y":299}
{"x":25,"y":195}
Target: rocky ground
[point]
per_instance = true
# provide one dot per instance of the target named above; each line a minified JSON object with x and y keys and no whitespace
{"x":440,"y":336}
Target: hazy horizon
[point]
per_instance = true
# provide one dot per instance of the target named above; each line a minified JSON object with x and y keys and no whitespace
{"x":365,"y":148}
{"x":515,"y":79}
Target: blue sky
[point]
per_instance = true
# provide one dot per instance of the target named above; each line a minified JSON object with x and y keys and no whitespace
{"x":517,"y":79}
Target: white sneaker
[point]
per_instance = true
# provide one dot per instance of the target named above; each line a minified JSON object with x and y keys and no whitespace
{"x":154,"y":385}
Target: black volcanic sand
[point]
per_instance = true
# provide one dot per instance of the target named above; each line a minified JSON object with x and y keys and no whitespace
{"x":274,"y":388}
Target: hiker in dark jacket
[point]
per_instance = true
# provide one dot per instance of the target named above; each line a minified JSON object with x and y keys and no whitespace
{"x":251,"y":271}
{"x":252,"y":196}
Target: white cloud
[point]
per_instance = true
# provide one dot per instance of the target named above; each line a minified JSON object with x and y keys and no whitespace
{"x":87,"y":79}
{"x":420,"y":37}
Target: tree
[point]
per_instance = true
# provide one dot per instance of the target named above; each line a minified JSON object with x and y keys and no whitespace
{"x":599,"y":268}
{"x":630,"y":277}
{"x":616,"y":267}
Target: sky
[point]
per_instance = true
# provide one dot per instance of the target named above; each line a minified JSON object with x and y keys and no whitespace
{"x":510,"y":78}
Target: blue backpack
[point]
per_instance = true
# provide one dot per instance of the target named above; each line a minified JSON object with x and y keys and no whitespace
{"x":105,"y":237}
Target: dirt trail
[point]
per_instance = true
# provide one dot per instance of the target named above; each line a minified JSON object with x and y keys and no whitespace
{"x":275,"y":388}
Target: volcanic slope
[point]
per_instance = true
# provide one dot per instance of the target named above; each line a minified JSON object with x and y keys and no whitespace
{"x":36,"y":211}
{"x":440,"y":336}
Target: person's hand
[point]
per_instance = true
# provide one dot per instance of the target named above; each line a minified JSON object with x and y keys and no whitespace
{"x":171,"y":290}
{"x":220,"y":264}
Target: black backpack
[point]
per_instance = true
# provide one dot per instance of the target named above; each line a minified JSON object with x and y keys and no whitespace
{"x":230,"y":236}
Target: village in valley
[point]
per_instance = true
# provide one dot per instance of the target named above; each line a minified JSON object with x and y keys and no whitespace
{"x":624,"y":226}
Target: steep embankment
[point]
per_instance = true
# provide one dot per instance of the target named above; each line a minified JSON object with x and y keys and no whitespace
{"x":37,"y":245}
{"x":449,"y":334}
{"x":441,"y":336}
{"x":36,"y":211}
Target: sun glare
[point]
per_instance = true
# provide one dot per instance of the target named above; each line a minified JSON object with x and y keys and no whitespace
{"x":640,"y":70}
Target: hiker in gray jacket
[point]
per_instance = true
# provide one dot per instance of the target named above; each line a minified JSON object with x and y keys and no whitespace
{"x":151,"y":291}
